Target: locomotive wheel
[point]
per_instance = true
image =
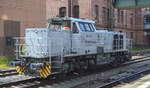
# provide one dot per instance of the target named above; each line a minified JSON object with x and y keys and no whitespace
{"x":119,"y":60}
{"x":65,"y":68}
{"x":85,"y":67}
{"x":114,"y":63}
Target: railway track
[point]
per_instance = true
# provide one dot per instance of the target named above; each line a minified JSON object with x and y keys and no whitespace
{"x":71,"y":81}
{"x":125,"y":79}
{"x":8,"y":73}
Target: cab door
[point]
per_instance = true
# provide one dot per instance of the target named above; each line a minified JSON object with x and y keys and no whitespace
{"x":75,"y":38}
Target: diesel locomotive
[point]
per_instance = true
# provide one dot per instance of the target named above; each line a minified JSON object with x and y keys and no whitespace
{"x":66,"y":45}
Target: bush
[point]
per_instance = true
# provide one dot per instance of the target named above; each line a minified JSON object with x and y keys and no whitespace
{"x":4,"y":62}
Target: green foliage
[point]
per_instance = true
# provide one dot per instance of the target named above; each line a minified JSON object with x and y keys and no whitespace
{"x":4,"y":62}
{"x":140,"y":49}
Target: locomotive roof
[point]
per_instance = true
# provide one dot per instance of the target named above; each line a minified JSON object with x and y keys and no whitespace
{"x":72,"y":19}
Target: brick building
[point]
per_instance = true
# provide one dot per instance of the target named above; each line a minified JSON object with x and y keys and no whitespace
{"x":88,"y":9}
{"x":133,"y":22}
{"x":15,"y":16}
{"x":146,"y":24}
{"x":130,"y":22}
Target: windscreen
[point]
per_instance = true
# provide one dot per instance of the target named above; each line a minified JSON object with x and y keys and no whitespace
{"x":59,"y":25}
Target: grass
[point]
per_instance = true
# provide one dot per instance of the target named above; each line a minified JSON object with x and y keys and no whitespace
{"x":140,"y":49}
{"x":4,"y":62}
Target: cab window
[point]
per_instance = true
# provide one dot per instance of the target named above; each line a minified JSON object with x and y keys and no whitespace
{"x":91,"y":27}
{"x":75,"y":28}
{"x":60,"y":25}
{"x":82,"y":27}
{"x":86,"y":27}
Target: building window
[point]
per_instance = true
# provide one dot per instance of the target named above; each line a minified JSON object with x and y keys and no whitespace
{"x":9,"y":42}
{"x":105,"y":15}
{"x":76,"y":11}
{"x":62,"y":12}
{"x":96,"y":12}
{"x":131,"y":35}
{"x":147,"y":19}
{"x":147,"y":9}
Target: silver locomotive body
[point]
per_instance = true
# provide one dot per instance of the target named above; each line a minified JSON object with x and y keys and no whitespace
{"x":69,"y":44}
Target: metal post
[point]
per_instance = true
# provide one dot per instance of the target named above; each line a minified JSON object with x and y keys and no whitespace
{"x":49,"y":47}
{"x":17,"y":49}
{"x":62,"y":51}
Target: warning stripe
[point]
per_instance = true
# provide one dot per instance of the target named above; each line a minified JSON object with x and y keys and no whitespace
{"x":41,"y":75}
{"x":23,"y":70}
{"x":48,"y":69}
{"x":45,"y":71}
{"x":20,"y":70}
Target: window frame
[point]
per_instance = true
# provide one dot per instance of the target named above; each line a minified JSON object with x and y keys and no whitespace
{"x":62,"y":11}
{"x":76,"y":11}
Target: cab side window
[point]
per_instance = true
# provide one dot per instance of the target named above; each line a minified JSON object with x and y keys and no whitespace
{"x":86,"y":27}
{"x":82,"y":27}
{"x":75,"y":29}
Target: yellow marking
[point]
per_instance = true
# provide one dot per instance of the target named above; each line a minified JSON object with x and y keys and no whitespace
{"x":41,"y":75}
{"x":44,"y":75}
{"x":47,"y":69}
{"x":23,"y":49}
{"x":45,"y":72}
{"x":48,"y":66}
{"x":20,"y":70}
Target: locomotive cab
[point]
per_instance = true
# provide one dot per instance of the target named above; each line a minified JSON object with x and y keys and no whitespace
{"x":71,"y":24}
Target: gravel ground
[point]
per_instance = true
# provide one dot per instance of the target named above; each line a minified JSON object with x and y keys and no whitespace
{"x":115,"y":74}
{"x":143,"y":82}
{"x":13,"y":78}
{"x":95,"y":80}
